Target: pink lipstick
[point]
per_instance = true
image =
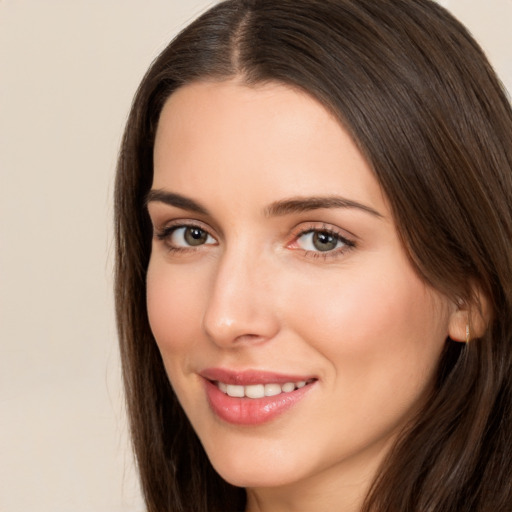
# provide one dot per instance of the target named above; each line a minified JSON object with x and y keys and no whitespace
{"x":253,"y":397}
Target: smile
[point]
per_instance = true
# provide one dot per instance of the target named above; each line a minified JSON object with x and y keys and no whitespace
{"x":252,"y":398}
{"x":260,"y":390}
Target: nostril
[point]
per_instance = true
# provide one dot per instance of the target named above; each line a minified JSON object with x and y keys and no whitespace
{"x":248,"y":338}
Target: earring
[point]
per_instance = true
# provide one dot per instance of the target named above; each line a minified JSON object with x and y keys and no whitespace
{"x":468,"y":333}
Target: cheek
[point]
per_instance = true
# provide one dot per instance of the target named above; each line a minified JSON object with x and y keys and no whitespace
{"x":173,"y":303}
{"x":372,"y":327}
{"x":381,"y":341}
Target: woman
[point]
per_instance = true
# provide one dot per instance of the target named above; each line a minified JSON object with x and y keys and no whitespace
{"x":314,"y":268}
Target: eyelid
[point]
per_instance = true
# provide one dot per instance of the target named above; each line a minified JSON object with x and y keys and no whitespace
{"x":163,"y":215}
{"x":167,"y":225}
{"x":340,"y":234}
{"x":164,"y":233}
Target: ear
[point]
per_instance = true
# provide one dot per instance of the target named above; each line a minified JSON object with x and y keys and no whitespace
{"x":469,"y":320}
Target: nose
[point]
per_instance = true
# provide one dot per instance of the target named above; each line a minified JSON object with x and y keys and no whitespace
{"x":241,"y":308}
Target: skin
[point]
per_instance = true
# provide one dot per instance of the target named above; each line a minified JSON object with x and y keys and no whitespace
{"x":259,"y":295}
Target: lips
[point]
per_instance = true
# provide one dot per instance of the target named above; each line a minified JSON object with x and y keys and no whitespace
{"x":253,"y":397}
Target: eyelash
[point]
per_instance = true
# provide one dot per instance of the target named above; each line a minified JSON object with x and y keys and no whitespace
{"x":347,"y":243}
{"x":165,"y":234}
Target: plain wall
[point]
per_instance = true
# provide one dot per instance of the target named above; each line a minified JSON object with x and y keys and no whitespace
{"x":68,"y":71}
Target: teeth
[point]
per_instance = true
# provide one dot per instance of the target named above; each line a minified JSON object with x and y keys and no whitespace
{"x":288,"y":387}
{"x":272,"y":389}
{"x":256,"y":391}
{"x":235,"y":391}
{"x":259,"y":390}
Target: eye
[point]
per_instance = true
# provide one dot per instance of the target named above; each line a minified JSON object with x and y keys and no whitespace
{"x":185,"y":237}
{"x":317,"y":241}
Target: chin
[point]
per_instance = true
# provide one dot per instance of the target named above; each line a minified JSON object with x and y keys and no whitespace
{"x":251,"y":479}
{"x":241,"y":470}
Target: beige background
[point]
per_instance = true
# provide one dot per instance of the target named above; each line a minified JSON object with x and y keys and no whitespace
{"x":68,"y":70}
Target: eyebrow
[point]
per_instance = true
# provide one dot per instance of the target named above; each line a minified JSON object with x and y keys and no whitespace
{"x":276,"y":209}
{"x":177,"y":200}
{"x":305,"y":204}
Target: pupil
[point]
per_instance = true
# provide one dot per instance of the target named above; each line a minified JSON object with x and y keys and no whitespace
{"x":324,"y":241}
{"x":195,"y":236}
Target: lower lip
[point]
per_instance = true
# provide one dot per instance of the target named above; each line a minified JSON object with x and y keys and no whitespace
{"x":251,"y":411}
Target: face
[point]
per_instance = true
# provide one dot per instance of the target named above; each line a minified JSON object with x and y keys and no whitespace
{"x":293,"y":328}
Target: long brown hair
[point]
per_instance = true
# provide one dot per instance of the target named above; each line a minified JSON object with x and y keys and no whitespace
{"x":426,"y":109}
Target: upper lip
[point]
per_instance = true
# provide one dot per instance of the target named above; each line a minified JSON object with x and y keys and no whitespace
{"x":248,"y":377}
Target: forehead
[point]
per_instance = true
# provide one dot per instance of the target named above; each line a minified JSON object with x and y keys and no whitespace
{"x":270,"y":137}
